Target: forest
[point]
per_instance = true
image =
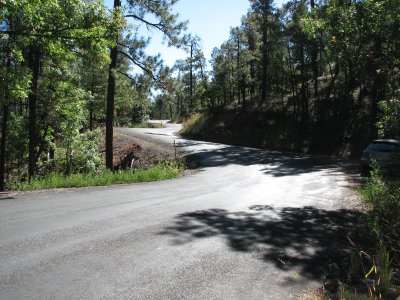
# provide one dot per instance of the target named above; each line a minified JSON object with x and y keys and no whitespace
{"x":311,"y":76}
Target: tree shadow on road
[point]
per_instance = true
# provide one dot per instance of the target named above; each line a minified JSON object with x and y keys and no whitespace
{"x":273,"y":163}
{"x":294,"y":239}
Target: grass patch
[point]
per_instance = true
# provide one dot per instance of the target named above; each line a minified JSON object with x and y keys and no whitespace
{"x":194,"y":125}
{"x":167,"y":170}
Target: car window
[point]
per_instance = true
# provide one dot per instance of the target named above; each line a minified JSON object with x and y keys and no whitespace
{"x":383,"y":147}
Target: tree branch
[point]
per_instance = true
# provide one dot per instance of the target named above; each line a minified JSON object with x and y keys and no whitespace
{"x":159,"y":26}
{"x":126,"y":75}
{"x":140,"y":65}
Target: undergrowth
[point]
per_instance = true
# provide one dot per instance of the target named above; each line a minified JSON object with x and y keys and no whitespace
{"x":383,"y":199}
{"x":163,"y":171}
{"x":373,"y":268}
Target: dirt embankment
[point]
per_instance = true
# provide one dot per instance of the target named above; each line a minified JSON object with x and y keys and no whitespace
{"x":275,"y":130}
{"x":134,"y":152}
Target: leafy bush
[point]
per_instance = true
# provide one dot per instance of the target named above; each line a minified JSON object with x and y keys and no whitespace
{"x":388,"y":124}
{"x":80,"y":155}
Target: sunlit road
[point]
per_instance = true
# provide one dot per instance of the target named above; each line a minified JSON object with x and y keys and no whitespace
{"x":250,"y":224}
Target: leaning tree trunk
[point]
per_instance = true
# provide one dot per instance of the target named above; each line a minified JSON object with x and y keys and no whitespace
{"x":111,"y":100}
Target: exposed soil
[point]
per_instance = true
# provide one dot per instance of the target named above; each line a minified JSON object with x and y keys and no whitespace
{"x":133,"y":152}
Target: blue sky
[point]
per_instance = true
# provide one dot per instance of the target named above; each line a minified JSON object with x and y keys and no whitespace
{"x":211,"y":20}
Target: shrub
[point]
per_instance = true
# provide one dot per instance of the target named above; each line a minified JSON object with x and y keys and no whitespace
{"x":79,"y":156}
{"x":383,"y":199}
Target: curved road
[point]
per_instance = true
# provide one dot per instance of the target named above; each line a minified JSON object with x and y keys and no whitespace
{"x":250,"y":224}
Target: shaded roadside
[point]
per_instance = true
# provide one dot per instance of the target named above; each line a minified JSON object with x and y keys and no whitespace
{"x":297,"y":240}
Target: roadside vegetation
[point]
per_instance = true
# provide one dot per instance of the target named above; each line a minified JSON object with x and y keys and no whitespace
{"x":382,"y":197}
{"x":372,"y":270}
{"x":65,"y":79}
{"x":162,"y":171}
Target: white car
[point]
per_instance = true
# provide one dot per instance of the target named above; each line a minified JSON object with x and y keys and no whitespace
{"x":385,"y":153}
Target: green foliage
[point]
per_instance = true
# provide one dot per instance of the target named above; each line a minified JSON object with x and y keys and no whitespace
{"x":56,"y":53}
{"x":384,"y":270}
{"x":17,"y":142}
{"x":57,"y":27}
{"x":102,"y":178}
{"x":383,"y":198}
{"x":388,"y":124}
{"x":80,"y":155}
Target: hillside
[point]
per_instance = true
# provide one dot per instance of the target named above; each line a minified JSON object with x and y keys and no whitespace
{"x":339,"y":130}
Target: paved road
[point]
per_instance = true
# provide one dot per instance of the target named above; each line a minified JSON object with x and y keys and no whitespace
{"x":250,"y":224}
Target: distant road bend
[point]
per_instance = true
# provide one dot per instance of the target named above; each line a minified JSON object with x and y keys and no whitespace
{"x":251,"y":224}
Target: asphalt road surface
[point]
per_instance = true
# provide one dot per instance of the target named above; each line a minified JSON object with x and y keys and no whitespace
{"x":249,"y":224}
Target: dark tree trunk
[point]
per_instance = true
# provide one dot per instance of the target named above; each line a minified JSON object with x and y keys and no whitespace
{"x":111,"y":100}
{"x":91,"y":117}
{"x":238,"y":70}
{"x":178,"y":108}
{"x":304,"y":98}
{"x":191,"y":78}
{"x":243,"y":85}
{"x":264,"y":67}
{"x":3,"y":147}
{"x":252,"y":89}
{"x":224,"y":93}
{"x":34,"y":57}
{"x":4,"y":135}
{"x":314,"y":57}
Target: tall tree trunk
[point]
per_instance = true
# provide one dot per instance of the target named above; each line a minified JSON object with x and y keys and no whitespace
{"x":304,"y":97}
{"x":111,"y":100}
{"x":3,"y":146}
{"x":264,"y":66}
{"x":178,"y":98}
{"x":252,"y":76}
{"x":34,"y":58}
{"x":91,"y":117}
{"x":243,"y":86}
{"x":252,"y":69}
{"x":224,"y":93}
{"x":204,"y":79}
{"x":314,"y":57}
{"x":178,"y":108}
{"x":191,"y":77}
{"x":238,"y":70}
{"x":4,"y":135}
